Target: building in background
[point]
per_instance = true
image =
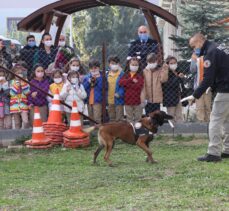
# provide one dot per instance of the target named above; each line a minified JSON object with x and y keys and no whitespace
{"x":166,"y":29}
{"x":13,"y":11}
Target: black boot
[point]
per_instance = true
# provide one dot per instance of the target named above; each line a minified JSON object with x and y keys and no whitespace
{"x":209,"y":158}
{"x":224,"y":155}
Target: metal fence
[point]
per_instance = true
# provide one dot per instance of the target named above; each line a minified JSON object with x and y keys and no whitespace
{"x":132,"y":80}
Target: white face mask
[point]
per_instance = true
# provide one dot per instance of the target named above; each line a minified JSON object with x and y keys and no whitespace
{"x":114,"y":67}
{"x":151,"y":66}
{"x":61,"y":43}
{"x":134,"y":68}
{"x":173,"y":66}
{"x":48,"y":43}
{"x":95,"y":73}
{"x":74,"y":80}
{"x":57,"y":80}
{"x":2,"y":78}
{"x":74,"y":68}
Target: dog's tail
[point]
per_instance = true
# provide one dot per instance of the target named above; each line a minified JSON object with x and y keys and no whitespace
{"x":90,"y":129}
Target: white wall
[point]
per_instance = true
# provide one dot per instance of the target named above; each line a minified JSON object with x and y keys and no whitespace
{"x":18,"y":8}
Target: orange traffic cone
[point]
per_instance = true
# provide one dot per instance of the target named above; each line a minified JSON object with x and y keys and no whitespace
{"x":38,"y":137}
{"x":54,"y":127}
{"x":55,"y":115}
{"x":75,"y":129}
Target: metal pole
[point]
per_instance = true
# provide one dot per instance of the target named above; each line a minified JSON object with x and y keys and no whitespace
{"x":62,"y":102}
{"x":70,"y":37}
{"x":104,"y":102}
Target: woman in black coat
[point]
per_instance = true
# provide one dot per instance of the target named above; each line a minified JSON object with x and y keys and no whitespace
{"x":172,"y":91}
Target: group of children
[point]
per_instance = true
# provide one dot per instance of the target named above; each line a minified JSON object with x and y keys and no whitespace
{"x":132,"y":88}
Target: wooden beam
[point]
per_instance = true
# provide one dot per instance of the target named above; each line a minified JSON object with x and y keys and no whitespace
{"x":154,"y":32}
{"x":47,"y":21}
{"x":61,"y":21}
{"x":152,"y":25}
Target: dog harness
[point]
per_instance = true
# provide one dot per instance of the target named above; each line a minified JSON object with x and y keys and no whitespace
{"x":139,"y":130}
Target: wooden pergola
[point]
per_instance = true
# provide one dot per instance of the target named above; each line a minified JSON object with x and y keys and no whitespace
{"x":42,"y":19}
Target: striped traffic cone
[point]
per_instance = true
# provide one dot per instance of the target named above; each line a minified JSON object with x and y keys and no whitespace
{"x":54,"y":127}
{"x":75,"y":137}
{"x":75,"y":130}
{"x":38,"y":137}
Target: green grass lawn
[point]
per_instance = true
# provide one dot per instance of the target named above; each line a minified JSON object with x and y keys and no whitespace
{"x":60,"y":179}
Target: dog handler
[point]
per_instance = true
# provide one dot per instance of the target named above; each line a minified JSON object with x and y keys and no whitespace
{"x":216,"y":76}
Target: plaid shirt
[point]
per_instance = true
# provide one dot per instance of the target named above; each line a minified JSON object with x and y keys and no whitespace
{"x":40,"y":99}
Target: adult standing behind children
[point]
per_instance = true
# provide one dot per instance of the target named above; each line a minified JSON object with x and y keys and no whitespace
{"x":5,"y":116}
{"x":154,"y":76}
{"x":143,"y":45}
{"x":5,"y":58}
{"x":115,"y":94}
{"x":29,"y":54}
{"x":47,"y":52}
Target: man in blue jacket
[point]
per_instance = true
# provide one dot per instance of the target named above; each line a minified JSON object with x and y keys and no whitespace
{"x":143,"y":45}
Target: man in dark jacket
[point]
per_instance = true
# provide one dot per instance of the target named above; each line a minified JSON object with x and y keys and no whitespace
{"x":216,"y":76}
{"x":29,"y":54}
{"x":143,"y":45}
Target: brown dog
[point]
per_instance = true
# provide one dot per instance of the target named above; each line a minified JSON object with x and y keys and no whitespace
{"x":109,"y":132}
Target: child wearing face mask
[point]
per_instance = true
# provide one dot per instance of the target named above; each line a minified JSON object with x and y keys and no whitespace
{"x":154,"y":76}
{"x":115,"y":96}
{"x":132,"y":81}
{"x":5,"y":117}
{"x":36,"y":97}
{"x":172,"y":90}
{"x":74,"y":65}
{"x":73,"y":90}
{"x":57,"y":84}
{"x":93,"y":84}
{"x":19,"y":91}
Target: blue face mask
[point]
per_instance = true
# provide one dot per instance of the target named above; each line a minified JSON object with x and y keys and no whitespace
{"x":32,"y":43}
{"x":143,"y":37}
{"x":197,"y":51}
